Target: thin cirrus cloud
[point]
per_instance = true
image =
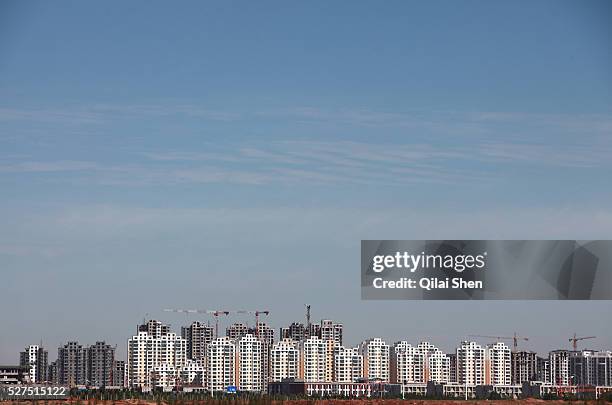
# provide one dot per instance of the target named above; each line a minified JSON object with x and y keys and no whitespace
{"x":575,"y":156}
{"x":465,"y":123}
{"x":319,"y":163}
{"x":105,"y":113}
{"x":48,"y":167}
{"x":460,"y":145}
{"x":51,"y":115}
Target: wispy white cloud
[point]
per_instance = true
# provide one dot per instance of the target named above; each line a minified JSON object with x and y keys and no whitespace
{"x":321,"y":163}
{"x":50,"y":115}
{"x":473,"y":124}
{"x":76,"y":222}
{"x":582,"y":122}
{"x":109,"y":113}
{"x":549,"y":155}
{"x":48,"y":167}
{"x":467,"y":144}
{"x":443,"y":122}
{"x":165,"y":110}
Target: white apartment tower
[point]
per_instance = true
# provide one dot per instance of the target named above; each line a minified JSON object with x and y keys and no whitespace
{"x":375,"y":354}
{"x":314,"y":359}
{"x":220,"y":364}
{"x":470,"y":364}
{"x":146,"y":351}
{"x":164,"y":376}
{"x":193,"y":373}
{"x":420,"y":364}
{"x":348,"y":364}
{"x":559,"y":367}
{"x":285,"y":360}
{"x":407,"y":364}
{"x":36,"y":358}
{"x":437,"y":363}
{"x":437,"y":367}
{"x":249,"y":366}
{"x":427,"y":348}
{"x":499,"y":364}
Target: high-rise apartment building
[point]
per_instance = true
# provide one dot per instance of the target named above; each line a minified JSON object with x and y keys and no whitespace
{"x":193,"y":373}
{"x":348,"y":364}
{"x":375,"y":354}
{"x":314,"y":359}
{"x":72,"y":365}
{"x":152,"y":347}
{"x":265,"y":334}
{"x":154,"y":328}
{"x":452,"y":375}
{"x":295,"y":331}
{"x":559,"y":367}
{"x":249,"y":367}
{"x":418,"y":364}
{"x":236,"y":331}
{"x":331,"y":331}
{"x":197,"y":335}
{"x":524,"y":367}
{"x":100,"y":362}
{"x":543,"y":369}
{"x":438,"y":367}
{"x":407,"y":364}
{"x":470,"y":364}
{"x":498,"y":364}
{"x":36,"y":358}
{"x":52,"y":375}
{"x":330,"y":345}
{"x":284,"y":360}
{"x":298,"y":331}
{"x":164,"y":376}
{"x":427,"y":348}
{"x":119,"y":374}
{"x":220,"y":364}
{"x":588,"y":367}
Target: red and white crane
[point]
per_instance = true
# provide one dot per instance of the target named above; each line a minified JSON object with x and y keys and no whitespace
{"x":515,"y":338}
{"x":574,"y":340}
{"x":214,"y":312}
{"x":256,"y":313}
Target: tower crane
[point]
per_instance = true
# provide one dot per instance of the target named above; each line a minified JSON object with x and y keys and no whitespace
{"x":212,"y":312}
{"x":574,"y":340}
{"x":257,"y":313}
{"x":515,"y":338}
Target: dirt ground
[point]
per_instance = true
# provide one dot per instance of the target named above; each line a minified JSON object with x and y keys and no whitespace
{"x":321,"y":402}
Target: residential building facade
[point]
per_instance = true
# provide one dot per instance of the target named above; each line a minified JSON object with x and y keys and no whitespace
{"x":375,"y":354}
{"x":36,"y":358}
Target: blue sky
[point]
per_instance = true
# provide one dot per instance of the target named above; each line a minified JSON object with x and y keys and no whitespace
{"x":211,"y":154}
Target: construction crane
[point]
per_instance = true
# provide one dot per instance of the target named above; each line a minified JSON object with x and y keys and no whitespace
{"x":257,"y":313}
{"x":574,"y":340}
{"x":214,"y":313}
{"x":515,"y":338}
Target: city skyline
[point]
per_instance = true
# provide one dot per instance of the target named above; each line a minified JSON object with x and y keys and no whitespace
{"x":310,"y":355}
{"x":523,"y":340}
